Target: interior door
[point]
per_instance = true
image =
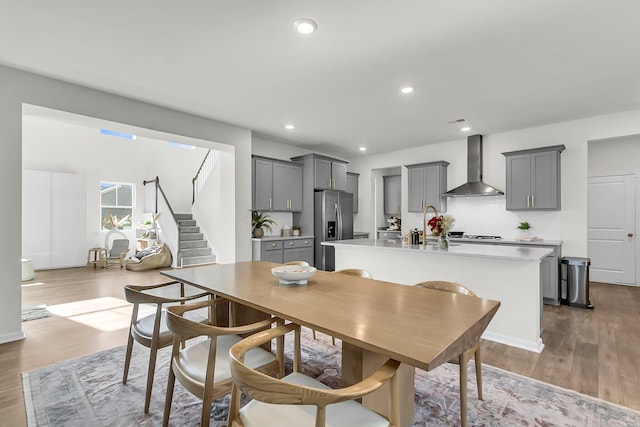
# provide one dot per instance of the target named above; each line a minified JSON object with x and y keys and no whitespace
{"x":611,"y":229}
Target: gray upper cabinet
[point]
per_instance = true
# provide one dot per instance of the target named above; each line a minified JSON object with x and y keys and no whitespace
{"x":427,"y":185}
{"x":392,"y":186}
{"x":533,"y":178}
{"x":329,"y":174}
{"x":352,"y":187}
{"x":262,"y":185}
{"x":277,"y":185}
{"x":287,"y":187}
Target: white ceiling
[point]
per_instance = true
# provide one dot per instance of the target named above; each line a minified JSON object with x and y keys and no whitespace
{"x":500,"y":64}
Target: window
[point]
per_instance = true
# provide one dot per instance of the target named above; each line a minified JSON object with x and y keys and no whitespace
{"x":116,"y":205}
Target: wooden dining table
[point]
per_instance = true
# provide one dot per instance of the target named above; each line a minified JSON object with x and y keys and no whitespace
{"x":376,"y":320}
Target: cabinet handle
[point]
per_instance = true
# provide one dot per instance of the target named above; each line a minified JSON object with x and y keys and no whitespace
{"x":290,"y":243}
{"x":533,"y":201}
{"x":307,"y":242}
{"x":273,"y":245}
{"x":528,"y":205}
{"x":629,"y":234}
{"x":269,"y":202}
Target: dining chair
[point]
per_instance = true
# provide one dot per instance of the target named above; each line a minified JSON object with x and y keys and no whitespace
{"x":302,"y":263}
{"x":464,"y":358}
{"x":290,"y":401}
{"x":203,"y":367}
{"x":151,"y":331}
{"x":350,"y":272}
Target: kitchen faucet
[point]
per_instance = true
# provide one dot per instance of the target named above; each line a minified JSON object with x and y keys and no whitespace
{"x":424,"y":222}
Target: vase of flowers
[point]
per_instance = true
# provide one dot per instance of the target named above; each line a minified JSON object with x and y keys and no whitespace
{"x":440,"y":226}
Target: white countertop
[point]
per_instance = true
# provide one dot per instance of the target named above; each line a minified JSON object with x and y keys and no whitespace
{"x":505,"y":241}
{"x":505,"y":252}
{"x":273,"y":238}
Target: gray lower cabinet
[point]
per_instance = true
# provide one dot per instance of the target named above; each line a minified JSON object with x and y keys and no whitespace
{"x":352,"y":187}
{"x":427,"y":183}
{"x":392,"y":187}
{"x":549,"y":278}
{"x":389,"y":235}
{"x":285,"y":250}
{"x":533,"y":179}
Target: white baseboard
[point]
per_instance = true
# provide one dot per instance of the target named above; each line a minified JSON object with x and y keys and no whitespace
{"x":12,"y":336}
{"x":535,"y":346}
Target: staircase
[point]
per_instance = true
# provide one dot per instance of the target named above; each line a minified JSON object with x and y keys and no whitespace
{"x":194,"y":249}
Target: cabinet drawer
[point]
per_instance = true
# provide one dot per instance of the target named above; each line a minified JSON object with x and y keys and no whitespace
{"x":389,"y":235}
{"x":298,"y":243}
{"x":268,"y":246}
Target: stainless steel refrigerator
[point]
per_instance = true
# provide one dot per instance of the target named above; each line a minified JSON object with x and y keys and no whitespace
{"x":333,"y":218}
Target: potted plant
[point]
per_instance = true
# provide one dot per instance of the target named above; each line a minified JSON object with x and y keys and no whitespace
{"x":260,"y":222}
{"x":524,"y":226}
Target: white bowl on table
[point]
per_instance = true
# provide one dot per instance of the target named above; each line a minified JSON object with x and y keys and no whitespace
{"x":293,"y":274}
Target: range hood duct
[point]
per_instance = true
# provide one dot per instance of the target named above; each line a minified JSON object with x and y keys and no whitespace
{"x":474,"y":185}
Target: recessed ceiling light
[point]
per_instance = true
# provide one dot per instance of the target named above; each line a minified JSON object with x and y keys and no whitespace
{"x":406,"y":90}
{"x":465,"y":129}
{"x":290,"y":127}
{"x":363,"y":148}
{"x":305,"y":26}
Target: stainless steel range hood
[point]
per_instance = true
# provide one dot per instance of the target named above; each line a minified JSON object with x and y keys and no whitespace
{"x":474,"y":185}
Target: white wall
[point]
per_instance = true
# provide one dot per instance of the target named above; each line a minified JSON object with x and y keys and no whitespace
{"x":485,"y":215}
{"x":83,"y":150}
{"x":18,"y":88}
{"x":614,"y":156}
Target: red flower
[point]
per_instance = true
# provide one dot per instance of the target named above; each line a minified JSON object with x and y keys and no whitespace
{"x":435,"y":223}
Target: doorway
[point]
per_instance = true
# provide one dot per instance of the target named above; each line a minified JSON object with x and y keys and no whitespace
{"x":611,"y":229}
{"x":613,"y":204}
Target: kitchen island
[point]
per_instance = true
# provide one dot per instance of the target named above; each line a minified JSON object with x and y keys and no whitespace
{"x":508,"y":274}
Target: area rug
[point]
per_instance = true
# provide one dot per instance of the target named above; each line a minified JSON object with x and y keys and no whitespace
{"x":33,"y":312}
{"x":89,"y":391}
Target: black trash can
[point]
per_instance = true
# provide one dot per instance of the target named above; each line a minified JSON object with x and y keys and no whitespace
{"x":575,"y":282}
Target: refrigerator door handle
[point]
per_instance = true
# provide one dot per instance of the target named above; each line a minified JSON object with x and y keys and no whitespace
{"x":339,"y":220}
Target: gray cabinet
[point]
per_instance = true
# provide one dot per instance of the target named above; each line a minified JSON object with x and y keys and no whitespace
{"x":549,"y":278}
{"x":389,"y":234}
{"x":427,"y":183}
{"x":287,"y":187}
{"x":284,"y":250}
{"x":329,"y":174}
{"x":298,"y":250}
{"x":533,"y":179}
{"x":352,"y":187}
{"x":277,"y":185}
{"x":262,"y":185}
{"x":392,"y":187}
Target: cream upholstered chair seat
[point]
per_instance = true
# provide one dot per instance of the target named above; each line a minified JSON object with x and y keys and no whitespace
{"x":298,"y":400}
{"x":343,"y":414}
{"x":144,"y":326}
{"x":193,"y":360}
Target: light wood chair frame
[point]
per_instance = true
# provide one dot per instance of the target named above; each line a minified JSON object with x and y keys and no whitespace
{"x":464,"y":358}
{"x":272,"y":390}
{"x":138,"y":294}
{"x":184,"y":329}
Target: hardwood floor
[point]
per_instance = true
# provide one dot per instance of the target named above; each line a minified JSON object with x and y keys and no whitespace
{"x":591,"y":351}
